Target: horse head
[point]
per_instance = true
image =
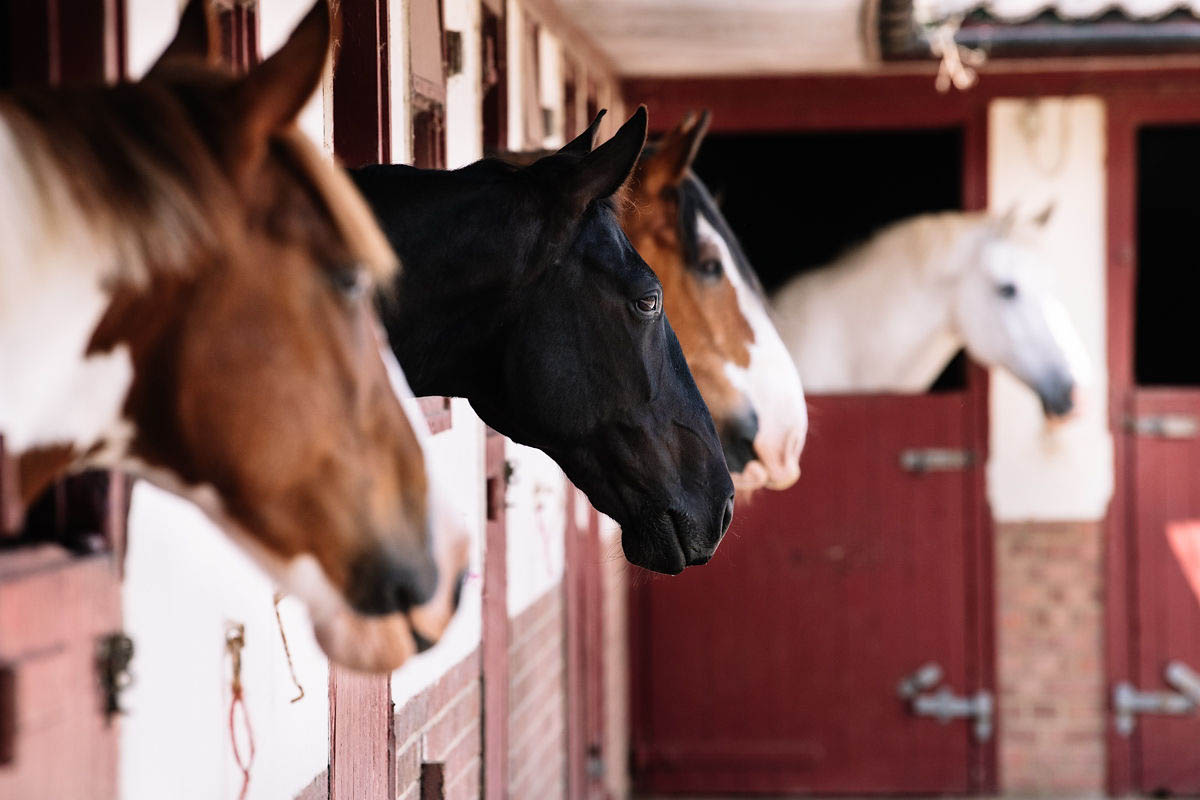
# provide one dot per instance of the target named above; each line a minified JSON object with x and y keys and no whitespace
{"x":522,"y":294}
{"x":1007,"y":315}
{"x":719,"y":312}
{"x":229,"y":318}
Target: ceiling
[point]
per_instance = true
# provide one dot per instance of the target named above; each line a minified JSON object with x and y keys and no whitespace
{"x":724,"y":37}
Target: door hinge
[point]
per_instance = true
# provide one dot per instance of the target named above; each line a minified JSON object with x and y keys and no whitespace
{"x":944,"y":705}
{"x":920,"y":460}
{"x":1164,"y":426}
{"x":1129,"y":701}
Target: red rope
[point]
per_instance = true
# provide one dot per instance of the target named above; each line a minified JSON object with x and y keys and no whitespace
{"x":235,"y":640}
{"x":243,"y":764}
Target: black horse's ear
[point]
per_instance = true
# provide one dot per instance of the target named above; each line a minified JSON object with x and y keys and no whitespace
{"x":605,"y":169}
{"x":196,"y":37}
{"x":584,"y":142}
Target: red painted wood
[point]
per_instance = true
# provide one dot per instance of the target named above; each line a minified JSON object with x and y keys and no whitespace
{"x":904,"y":100}
{"x":362,"y":745}
{"x":1140,"y":575}
{"x":12,"y":510}
{"x":774,"y":668}
{"x":1166,"y":622}
{"x":495,"y":626}
{"x":582,"y":584}
{"x":494,"y":77}
{"x":361,"y":112}
{"x":53,"y":609}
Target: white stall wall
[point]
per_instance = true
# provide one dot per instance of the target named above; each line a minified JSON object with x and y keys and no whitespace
{"x":1043,"y":150}
{"x":464,"y":120}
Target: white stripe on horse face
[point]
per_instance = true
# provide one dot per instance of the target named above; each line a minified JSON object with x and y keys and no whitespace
{"x":770,"y":382}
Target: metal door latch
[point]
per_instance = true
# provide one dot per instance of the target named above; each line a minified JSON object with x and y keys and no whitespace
{"x":113,"y":657}
{"x":944,"y":705}
{"x":1128,"y":701}
{"x":1164,"y":426}
{"x":920,"y":460}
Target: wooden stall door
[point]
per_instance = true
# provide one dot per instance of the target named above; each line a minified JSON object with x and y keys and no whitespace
{"x":1154,"y":617}
{"x":1167,"y":579}
{"x":775,"y":667}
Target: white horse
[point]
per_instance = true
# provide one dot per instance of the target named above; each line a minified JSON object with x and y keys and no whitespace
{"x":890,"y":314}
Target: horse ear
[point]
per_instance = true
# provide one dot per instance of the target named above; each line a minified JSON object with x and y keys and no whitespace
{"x":195,"y":38}
{"x":1042,"y":217}
{"x":605,"y":169}
{"x":670,"y":163}
{"x":584,"y":142}
{"x":272,"y":94}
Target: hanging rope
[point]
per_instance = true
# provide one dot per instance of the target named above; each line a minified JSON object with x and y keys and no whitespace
{"x":958,"y":64}
{"x":235,"y":641}
{"x":287,"y":651}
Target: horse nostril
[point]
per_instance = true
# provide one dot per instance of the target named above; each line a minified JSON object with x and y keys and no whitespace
{"x":383,"y":583}
{"x":737,"y":440}
{"x":727,"y":519}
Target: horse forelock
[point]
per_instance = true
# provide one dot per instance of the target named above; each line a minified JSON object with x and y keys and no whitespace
{"x":347,"y":210}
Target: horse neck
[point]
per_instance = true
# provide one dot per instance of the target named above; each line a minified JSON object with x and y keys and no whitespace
{"x":53,"y":271}
{"x":440,"y":314}
{"x":889,"y":305}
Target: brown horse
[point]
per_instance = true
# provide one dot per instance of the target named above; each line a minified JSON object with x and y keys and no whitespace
{"x":717,"y":309}
{"x":185,"y":292}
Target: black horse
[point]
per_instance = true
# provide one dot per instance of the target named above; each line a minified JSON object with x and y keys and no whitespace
{"x":520,"y":292}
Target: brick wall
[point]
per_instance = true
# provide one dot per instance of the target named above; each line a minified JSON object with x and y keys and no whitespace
{"x":441,"y":725}
{"x":537,"y":754}
{"x":1050,"y":667}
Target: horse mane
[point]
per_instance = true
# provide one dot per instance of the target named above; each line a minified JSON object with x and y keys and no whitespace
{"x":912,"y":241}
{"x":125,"y":169}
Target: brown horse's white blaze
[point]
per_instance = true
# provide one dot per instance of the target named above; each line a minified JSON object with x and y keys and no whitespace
{"x":185,"y":292}
{"x":718,"y":311}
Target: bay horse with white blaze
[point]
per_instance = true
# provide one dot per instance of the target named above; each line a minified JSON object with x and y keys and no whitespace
{"x":185,"y":294}
{"x":719,"y":311}
{"x":521,"y":293}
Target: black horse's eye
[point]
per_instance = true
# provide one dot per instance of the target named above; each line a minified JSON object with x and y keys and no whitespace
{"x":350,"y":281}
{"x":648,"y":305}
{"x":710,"y":267}
{"x":1007,"y":290}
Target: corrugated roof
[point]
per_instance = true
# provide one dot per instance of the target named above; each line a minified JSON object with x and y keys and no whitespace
{"x":932,"y":11}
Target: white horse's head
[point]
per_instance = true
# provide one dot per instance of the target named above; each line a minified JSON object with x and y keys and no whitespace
{"x":1007,"y":315}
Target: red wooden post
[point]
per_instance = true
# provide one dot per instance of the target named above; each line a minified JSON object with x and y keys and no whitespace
{"x":12,"y":510}
{"x":361,"y":93}
{"x":495,"y":627}
{"x":361,"y":742}
{"x":361,"y":719}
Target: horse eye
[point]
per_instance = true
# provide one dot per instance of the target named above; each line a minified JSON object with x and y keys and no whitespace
{"x":649,"y":304}
{"x":1007,"y":290}
{"x":350,"y":281}
{"x":710,"y":267}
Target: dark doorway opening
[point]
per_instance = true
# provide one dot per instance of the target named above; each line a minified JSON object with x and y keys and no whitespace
{"x":1168,"y":280}
{"x":798,"y":200}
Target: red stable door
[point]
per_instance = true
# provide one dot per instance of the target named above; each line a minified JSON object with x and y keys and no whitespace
{"x":1154,"y":555}
{"x":777,"y":668}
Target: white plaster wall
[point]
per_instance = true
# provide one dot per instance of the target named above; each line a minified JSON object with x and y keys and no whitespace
{"x":456,"y":457}
{"x":149,"y":25}
{"x":184,"y":582}
{"x":514,"y":21}
{"x":464,"y":121}
{"x":400,"y":96}
{"x":1040,"y":150}
{"x":551,"y":87}
{"x":536,"y":522}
